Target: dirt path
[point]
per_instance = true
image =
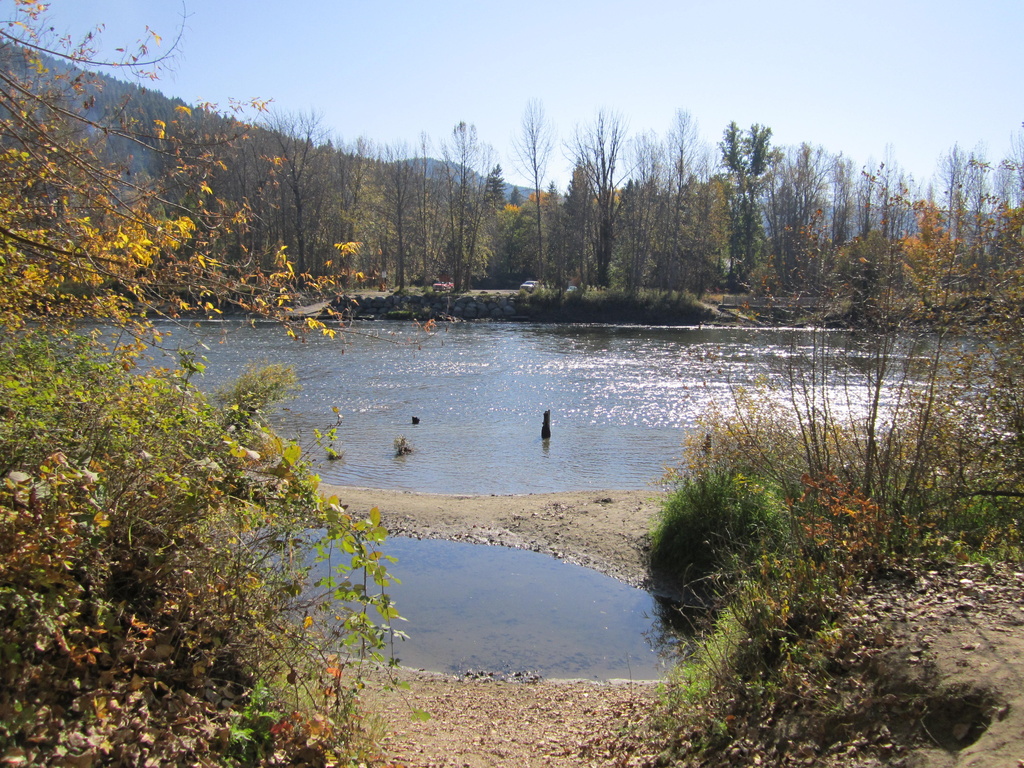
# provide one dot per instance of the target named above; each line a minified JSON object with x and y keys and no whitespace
{"x":484,"y":723}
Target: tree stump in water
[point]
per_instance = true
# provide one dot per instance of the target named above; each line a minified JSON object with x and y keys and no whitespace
{"x":545,"y":431}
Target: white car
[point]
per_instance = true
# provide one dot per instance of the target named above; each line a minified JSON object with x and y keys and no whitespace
{"x":529,"y":286}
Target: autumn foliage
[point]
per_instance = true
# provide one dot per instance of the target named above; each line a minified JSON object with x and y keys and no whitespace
{"x":156,"y":604}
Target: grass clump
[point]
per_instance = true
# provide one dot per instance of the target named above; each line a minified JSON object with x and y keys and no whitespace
{"x":710,"y":522}
{"x":260,"y":385}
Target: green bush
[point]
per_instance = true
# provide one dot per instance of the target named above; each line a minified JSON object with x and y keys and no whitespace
{"x":153,"y":571}
{"x":259,"y":386}
{"x":713,"y":520}
{"x":613,"y":304}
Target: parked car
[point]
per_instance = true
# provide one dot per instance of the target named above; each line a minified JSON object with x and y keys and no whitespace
{"x":529,"y":286}
{"x":443,"y":287}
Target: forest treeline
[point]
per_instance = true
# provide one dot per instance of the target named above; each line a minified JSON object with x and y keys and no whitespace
{"x":669,"y":213}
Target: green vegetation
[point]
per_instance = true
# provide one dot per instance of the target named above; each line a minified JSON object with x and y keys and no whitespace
{"x":260,"y":385}
{"x":667,"y":213}
{"x":612,"y":305}
{"x":155,"y":549}
{"x":154,"y":570}
{"x":713,"y":522}
{"x":173,"y":588}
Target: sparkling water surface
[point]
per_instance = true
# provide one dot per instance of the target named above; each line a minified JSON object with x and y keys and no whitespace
{"x":623,"y":399}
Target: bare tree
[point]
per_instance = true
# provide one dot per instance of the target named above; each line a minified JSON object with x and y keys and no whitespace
{"x":466,"y":162}
{"x":596,"y":149}
{"x":532,"y":149}
{"x":299,"y":138}
{"x":795,"y":197}
{"x":397,"y":183}
{"x":642,"y":200}
{"x":684,"y":153}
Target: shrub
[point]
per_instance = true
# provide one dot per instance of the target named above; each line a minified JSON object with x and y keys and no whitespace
{"x":152,"y":571}
{"x":714,"y":521}
{"x":245,"y":400}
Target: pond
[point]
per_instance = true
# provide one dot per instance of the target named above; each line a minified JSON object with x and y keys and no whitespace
{"x":472,"y":608}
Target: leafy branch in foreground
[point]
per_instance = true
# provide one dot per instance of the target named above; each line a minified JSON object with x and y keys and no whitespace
{"x":155,"y":569}
{"x":83,"y":237}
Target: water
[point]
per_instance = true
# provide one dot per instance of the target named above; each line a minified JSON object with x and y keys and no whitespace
{"x":622,"y":398}
{"x":478,"y":608}
{"x":622,"y":402}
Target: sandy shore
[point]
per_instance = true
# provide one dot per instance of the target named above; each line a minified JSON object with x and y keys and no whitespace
{"x":604,"y":530}
{"x":485,"y":723}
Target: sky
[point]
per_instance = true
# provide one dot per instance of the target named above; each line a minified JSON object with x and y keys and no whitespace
{"x":875,"y":80}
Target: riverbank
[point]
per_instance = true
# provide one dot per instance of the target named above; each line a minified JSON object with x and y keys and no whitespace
{"x":489,"y":722}
{"x":936,"y":683}
{"x":603,"y":530}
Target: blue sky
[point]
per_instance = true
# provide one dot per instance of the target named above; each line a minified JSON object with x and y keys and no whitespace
{"x":874,"y":79}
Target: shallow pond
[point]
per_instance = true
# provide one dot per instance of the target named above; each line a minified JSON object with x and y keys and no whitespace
{"x":474,"y":608}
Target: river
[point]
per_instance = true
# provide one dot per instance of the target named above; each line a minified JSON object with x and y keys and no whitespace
{"x":622,"y":398}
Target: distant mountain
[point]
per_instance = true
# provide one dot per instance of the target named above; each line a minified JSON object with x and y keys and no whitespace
{"x":107,"y":100}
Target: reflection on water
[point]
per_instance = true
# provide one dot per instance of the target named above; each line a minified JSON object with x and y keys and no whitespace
{"x":622,"y":398}
{"x":480,"y":608}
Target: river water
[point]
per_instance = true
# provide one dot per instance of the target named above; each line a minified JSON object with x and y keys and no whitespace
{"x":621,"y":397}
{"x":622,"y":401}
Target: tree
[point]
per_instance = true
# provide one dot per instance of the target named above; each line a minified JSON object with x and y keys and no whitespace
{"x":76,"y":233}
{"x":532,"y":149}
{"x":642,"y":209}
{"x":465,"y":192}
{"x":794,"y":208}
{"x":576,"y":233}
{"x":397,"y":181}
{"x":302,"y":154}
{"x":597,"y":150}
{"x":512,"y":244}
{"x":494,"y":189}
{"x":681,"y":157}
{"x":747,"y":157}
{"x":430,"y":219}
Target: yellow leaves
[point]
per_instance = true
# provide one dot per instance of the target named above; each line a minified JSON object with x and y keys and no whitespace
{"x":161,"y":129}
{"x":348,"y":249}
{"x":183,"y":110}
